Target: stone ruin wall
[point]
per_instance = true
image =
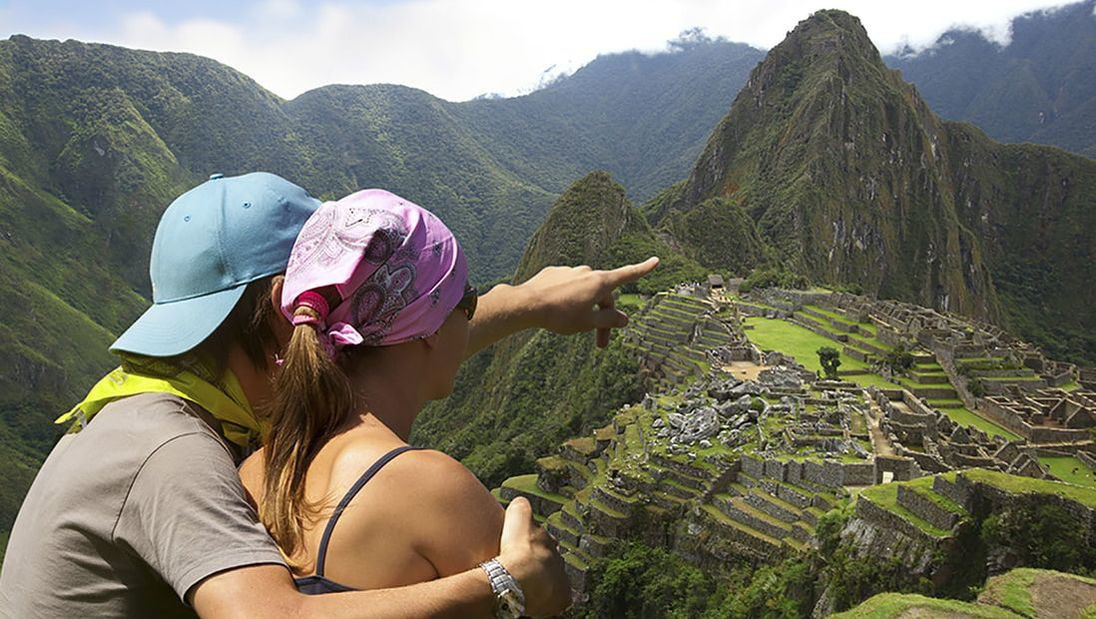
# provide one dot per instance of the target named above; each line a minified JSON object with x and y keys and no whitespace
{"x":1002,"y":416}
{"x":827,"y":473}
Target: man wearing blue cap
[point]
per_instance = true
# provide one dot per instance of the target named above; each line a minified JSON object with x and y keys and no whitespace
{"x":139,"y":510}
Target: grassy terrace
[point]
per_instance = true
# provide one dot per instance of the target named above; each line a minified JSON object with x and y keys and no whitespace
{"x":714,"y":513}
{"x":1070,"y":470}
{"x":893,"y":605}
{"x":923,"y":487}
{"x":1028,"y":485}
{"x":886,"y":496}
{"x":527,"y":484}
{"x":968,"y":418}
{"x":803,"y":345}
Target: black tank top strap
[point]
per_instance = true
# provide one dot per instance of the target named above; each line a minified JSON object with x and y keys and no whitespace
{"x":321,"y":554}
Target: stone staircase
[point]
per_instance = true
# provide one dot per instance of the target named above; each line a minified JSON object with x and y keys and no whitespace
{"x":998,"y":374}
{"x":779,"y":515}
{"x":673,"y":335}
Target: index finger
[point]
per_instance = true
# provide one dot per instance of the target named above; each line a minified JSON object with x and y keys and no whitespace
{"x":630,"y":272}
{"x":606,"y":302}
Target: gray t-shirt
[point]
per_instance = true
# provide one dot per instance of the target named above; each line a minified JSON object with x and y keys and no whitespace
{"x":128,"y":514}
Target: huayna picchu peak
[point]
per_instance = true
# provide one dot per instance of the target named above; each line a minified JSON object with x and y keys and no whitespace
{"x":850,"y":178}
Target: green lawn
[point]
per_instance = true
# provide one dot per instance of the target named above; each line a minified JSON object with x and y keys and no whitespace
{"x":803,"y":345}
{"x":965,"y":417}
{"x":1063,"y":469}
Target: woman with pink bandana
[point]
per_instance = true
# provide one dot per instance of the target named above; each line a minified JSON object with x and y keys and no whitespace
{"x":377,"y":293}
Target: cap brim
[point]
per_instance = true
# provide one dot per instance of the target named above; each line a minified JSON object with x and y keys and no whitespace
{"x":168,"y":329}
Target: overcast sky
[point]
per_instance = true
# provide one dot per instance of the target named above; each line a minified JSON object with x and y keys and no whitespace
{"x":458,"y":49}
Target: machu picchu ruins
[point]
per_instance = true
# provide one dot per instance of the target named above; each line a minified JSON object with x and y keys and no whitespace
{"x":740,"y":447}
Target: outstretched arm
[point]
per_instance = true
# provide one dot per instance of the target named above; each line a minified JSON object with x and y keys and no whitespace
{"x":564,"y":300}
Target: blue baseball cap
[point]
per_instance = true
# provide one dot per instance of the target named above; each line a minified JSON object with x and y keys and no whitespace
{"x":211,"y":243}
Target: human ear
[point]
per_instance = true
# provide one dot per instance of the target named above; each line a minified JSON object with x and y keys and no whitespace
{"x":431,"y":341}
{"x":282,"y":328}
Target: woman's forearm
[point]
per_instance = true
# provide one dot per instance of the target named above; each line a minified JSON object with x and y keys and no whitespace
{"x":502,"y":311}
{"x":467,"y":594}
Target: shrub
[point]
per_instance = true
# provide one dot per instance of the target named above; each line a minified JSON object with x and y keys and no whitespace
{"x":830,"y":358}
{"x":899,"y":360}
{"x":1039,"y":534}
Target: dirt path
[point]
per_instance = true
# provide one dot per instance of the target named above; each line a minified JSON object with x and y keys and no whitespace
{"x":879,"y":441}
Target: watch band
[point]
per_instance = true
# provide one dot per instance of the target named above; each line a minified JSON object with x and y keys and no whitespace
{"x":510,"y":598}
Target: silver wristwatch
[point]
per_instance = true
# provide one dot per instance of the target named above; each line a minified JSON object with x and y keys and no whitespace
{"x":509,"y":600}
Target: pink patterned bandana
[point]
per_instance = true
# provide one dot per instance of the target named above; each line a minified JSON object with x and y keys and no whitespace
{"x":397,"y":268}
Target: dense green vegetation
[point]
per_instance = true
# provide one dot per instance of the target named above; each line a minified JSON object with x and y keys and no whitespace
{"x":96,"y":140}
{"x":1040,"y":534}
{"x":518,"y":400}
{"x":774,"y":278}
{"x":828,"y":169}
{"x":638,"y":581}
{"x":1040,"y":88}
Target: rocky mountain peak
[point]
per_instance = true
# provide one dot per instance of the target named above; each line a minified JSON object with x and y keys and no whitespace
{"x":592,"y":214}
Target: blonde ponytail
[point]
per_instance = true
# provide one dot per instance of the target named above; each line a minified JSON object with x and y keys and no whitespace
{"x":312,"y":398}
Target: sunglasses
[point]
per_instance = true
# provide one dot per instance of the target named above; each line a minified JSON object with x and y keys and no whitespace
{"x":467,"y":303}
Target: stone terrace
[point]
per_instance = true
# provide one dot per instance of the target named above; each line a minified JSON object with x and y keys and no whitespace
{"x":1046,"y":415}
{"x":961,"y":363}
{"x":677,"y":335}
{"x":917,"y":522}
{"x":726,"y":469}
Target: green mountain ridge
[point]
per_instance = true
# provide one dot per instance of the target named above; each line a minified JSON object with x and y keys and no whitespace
{"x":96,"y":140}
{"x":1040,"y":87}
{"x":850,"y":178}
{"x":515,"y":401}
{"x":827,"y":164}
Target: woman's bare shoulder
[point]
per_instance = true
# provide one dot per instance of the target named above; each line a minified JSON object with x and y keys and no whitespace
{"x":435,"y":474}
{"x":252,"y":473}
{"x":443,"y":511}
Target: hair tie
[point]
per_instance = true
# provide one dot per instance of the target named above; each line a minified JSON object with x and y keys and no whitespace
{"x":315,"y":302}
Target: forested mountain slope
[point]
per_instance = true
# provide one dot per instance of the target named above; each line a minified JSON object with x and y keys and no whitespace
{"x":96,"y":140}
{"x":1039,"y":88}
{"x":851,"y":179}
{"x":828,"y":164}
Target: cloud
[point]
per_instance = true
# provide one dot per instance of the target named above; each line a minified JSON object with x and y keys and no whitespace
{"x":279,"y":9}
{"x":457,"y":49}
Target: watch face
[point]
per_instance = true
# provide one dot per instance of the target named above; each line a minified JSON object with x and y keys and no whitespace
{"x":510,"y":607}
